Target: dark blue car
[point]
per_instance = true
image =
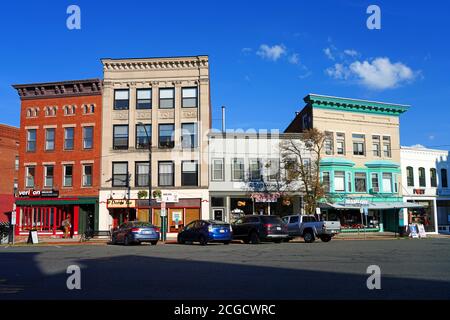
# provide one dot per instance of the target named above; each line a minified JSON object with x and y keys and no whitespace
{"x":205,"y":231}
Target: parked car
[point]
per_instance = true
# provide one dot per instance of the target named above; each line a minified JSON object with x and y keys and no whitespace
{"x":257,"y":228}
{"x":135,"y":232}
{"x":204,"y":231}
{"x":307,"y":227}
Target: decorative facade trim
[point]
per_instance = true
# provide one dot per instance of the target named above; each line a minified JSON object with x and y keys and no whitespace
{"x":47,"y":90}
{"x":155,"y":63}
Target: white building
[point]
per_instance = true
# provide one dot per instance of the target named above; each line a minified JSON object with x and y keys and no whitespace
{"x":425,"y":182}
{"x":247,"y":175}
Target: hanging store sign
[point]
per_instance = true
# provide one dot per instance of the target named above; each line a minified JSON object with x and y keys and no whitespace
{"x":419,"y":191}
{"x":265,"y":198}
{"x":39,"y":193}
{"x":358,"y":202}
{"x":120,"y":203}
{"x":168,"y":197}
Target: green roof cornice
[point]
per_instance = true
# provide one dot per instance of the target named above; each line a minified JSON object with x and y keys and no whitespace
{"x":338,"y":162}
{"x":355,"y":105}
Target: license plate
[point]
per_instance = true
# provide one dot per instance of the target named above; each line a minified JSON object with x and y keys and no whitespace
{"x":278,"y":228}
{"x":222,"y":231}
{"x":147,"y":232}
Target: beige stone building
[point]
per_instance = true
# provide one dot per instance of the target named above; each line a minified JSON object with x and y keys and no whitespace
{"x":169,"y":100}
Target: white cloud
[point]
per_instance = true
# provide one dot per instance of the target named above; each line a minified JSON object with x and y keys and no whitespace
{"x":378,"y":74}
{"x":328,"y":53}
{"x":351,"y":52}
{"x":338,"y":71}
{"x":271,"y":53}
{"x":294,"y":58}
{"x":246,"y":50}
{"x":381,"y":73}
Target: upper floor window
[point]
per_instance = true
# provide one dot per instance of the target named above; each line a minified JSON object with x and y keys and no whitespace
{"x":88,"y":137}
{"x":410,"y":176}
{"x":69,"y":110}
{"x":50,"y":111}
{"x":88,"y":108}
{"x":273,"y":169}
{"x":48,"y":176}
{"x":433,"y":178}
{"x":360,"y":182}
{"x":340,"y":143}
{"x":32,"y":112}
{"x":189,"y":97}
{"x":387,"y":182}
{"x":69,"y":138}
{"x":87,"y":175}
{"x":376,"y":146}
{"x":49,"y":139}
{"x":143,"y":98}
{"x":189,"y":173}
{"x":30,"y":172}
{"x":444,"y":178}
{"x":142,"y":175}
{"x":217,"y":170}
{"x":328,"y":143}
{"x":326,"y":181}
{"x":339,"y":181}
{"x":120,"y":174}
{"x":189,"y":135}
{"x":422,"y":178}
{"x":16,"y":163}
{"x":121,"y":99}
{"x":67,"y":175}
{"x":31,"y":140}
{"x":120,"y":137}
{"x":166,"y":136}
{"x":143,"y":136}
{"x":387,"y":147}
{"x":166,"y":98}
{"x":359,"y":144}
{"x":166,"y":173}
{"x":255,"y":169}
{"x":375,"y":182}
{"x":238,"y":169}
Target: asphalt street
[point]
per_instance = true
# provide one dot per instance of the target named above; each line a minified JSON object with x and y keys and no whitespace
{"x":410,"y":269}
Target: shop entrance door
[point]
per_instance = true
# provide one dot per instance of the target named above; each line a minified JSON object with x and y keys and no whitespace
{"x":218,"y":215}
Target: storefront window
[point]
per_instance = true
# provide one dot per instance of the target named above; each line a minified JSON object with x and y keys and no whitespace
{"x":423,"y":215}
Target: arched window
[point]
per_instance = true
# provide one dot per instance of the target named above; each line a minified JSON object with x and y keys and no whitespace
{"x":73,"y":109}
{"x":29,"y":113}
{"x":422,"y":178}
{"x":433,"y":178}
{"x":85,"y":109}
{"x":92,"y":108}
{"x":444,"y":178}
{"x":410,"y":176}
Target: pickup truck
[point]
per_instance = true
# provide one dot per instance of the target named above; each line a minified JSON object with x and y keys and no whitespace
{"x":307,"y":227}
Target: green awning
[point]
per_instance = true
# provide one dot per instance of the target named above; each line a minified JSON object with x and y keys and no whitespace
{"x":55,"y":202}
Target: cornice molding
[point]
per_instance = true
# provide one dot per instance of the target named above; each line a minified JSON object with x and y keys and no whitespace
{"x":88,"y":87}
{"x":155,"y":63}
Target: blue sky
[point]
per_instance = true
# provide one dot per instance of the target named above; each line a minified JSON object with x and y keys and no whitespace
{"x":265,"y":55}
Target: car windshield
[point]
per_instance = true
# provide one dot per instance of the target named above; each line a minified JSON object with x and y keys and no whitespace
{"x":271,"y":219}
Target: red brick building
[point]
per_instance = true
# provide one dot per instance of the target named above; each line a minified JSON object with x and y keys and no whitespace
{"x":9,"y":169}
{"x":60,"y":150}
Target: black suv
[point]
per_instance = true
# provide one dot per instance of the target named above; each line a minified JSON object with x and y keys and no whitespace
{"x":256,"y":228}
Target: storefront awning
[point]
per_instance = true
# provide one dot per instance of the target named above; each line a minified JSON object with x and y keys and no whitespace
{"x":370,"y":205}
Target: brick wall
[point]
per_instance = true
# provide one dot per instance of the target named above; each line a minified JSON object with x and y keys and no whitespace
{"x":9,"y":149}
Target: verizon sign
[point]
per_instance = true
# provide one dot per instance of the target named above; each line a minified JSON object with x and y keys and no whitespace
{"x":39,"y":193}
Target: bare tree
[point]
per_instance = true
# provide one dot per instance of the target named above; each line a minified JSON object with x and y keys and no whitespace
{"x":301,"y":157}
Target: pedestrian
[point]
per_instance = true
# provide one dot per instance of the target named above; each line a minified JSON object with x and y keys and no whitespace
{"x":66,"y":226}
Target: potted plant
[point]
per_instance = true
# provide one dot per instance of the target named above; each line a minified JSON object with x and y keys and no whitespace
{"x":142,"y":194}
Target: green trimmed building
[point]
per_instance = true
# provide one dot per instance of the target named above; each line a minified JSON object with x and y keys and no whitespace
{"x":360,"y":165}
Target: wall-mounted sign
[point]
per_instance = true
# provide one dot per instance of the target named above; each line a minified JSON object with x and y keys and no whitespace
{"x":168,"y":197}
{"x":264,"y":197}
{"x":120,"y":203}
{"x":39,"y":193}
{"x":359,"y":202}
{"x":419,"y":191}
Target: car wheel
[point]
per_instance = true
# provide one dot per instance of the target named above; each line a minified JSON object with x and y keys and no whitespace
{"x":277,"y":241}
{"x":246,"y":241}
{"x":254,"y":238}
{"x":325,"y":238}
{"x":226,"y":242}
{"x":113,"y":240}
{"x":180,"y":240}
{"x":127,"y":241}
{"x":308,"y":237}
{"x":203,"y":241}
{"x":154,"y":243}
